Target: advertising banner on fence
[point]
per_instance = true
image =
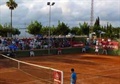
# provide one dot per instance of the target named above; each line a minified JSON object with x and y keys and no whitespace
{"x":57,"y":77}
{"x":111,"y":44}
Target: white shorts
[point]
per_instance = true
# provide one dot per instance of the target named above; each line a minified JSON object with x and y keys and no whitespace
{"x":96,"y":50}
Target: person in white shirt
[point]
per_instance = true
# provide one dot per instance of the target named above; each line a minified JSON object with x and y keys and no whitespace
{"x":83,"y":49}
{"x":32,"y":53}
{"x":96,"y":49}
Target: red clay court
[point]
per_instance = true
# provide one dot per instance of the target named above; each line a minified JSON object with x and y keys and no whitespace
{"x":90,"y":69}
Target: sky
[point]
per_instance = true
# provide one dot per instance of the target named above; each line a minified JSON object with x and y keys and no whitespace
{"x":71,"y":12}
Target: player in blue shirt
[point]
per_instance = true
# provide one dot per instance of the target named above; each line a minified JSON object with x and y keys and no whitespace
{"x":73,"y":77}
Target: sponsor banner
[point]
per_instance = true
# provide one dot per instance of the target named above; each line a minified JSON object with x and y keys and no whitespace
{"x":77,"y":44}
{"x":111,"y":44}
{"x":57,"y":77}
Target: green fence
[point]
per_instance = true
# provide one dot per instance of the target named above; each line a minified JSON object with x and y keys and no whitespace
{"x":69,"y":50}
{"x":41,"y":52}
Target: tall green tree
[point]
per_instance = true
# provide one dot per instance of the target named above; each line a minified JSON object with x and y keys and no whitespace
{"x":118,"y":32}
{"x":76,"y":31}
{"x":1,"y":27}
{"x":109,"y":31}
{"x":44,"y":30}
{"x":34,"y":28}
{"x":53,"y":30}
{"x":97,"y":22}
{"x":97,"y":28}
{"x":12,"y":5}
{"x":16,"y":31}
{"x":62,"y":29}
{"x":84,"y":28}
{"x":5,"y":29}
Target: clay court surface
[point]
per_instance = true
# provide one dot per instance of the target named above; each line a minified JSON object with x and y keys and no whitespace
{"x":90,"y":69}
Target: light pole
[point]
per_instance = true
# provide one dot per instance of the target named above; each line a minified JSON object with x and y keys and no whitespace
{"x":49,"y":4}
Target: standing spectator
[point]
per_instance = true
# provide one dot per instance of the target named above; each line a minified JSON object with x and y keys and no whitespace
{"x":97,"y":42}
{"x":96,"y":49}
{"x":59,"y":51}
{"x":32,"y":53}
{"x":87,"y":46}
{"x":83,"y":49}
{"x":73,"y":76}
{"x":88,"y":40}
{"x":104,"y":49}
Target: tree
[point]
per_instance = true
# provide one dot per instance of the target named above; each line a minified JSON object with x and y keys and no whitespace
{"x":75,"y":30}
{"x":84,"y":28}
{"x":97,"y":22}
{"x":109,"y":31}
{"x":44,"y":30}
{"x":53,"y":30}
{"x":34,"y":28}
{"x":16,"y":31}
{"x":5,"y":29}
{"x":117,"y":32}
{"x":96,"y":27}
{"x":62,"y":29}
{"x":12,"y":5}
{"x":1,"y":27}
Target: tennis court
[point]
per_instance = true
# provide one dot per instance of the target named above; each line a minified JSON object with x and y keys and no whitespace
{"x":90,"y":69}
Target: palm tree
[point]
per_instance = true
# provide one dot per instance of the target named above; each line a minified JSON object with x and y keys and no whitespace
{"x":12,"y":5}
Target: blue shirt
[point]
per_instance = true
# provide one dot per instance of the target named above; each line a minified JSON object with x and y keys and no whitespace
{"x":73,"y":78}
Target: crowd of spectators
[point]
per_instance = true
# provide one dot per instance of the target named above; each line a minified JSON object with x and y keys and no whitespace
{"x":32,"y":43}
{"x":14,"y":44}
{"x":100,"y":43}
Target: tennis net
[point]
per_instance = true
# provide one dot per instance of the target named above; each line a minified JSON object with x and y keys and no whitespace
{"x":45,"y":74}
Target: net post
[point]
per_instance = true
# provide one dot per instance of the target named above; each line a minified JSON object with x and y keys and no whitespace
{"x":58,"y":76}
{"x":62,"y":77}
{"x":18,"y":65}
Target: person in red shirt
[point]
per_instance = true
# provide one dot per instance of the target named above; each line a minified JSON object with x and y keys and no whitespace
{"x":59,"y":51}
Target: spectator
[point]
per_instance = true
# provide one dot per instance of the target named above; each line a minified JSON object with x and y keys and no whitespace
{"x":96,"y":49}
{"x":104,"y":49}
{"x":83,"y":49}
{"x":59,"y":51}
{"x":32,"y":53}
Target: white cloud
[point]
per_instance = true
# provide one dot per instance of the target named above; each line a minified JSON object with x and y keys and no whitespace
{"x":72,"y":12}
